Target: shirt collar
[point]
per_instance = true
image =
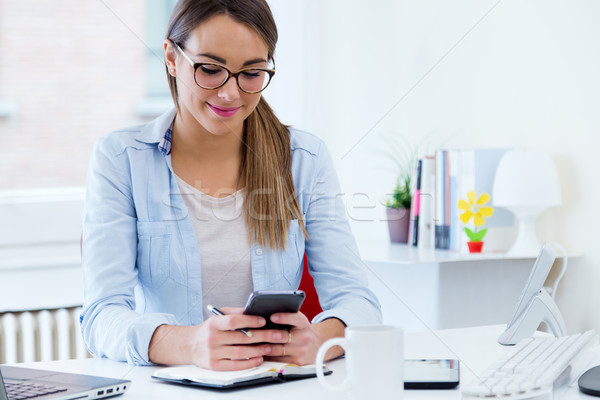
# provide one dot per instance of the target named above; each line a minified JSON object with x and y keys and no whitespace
{"x":165,"y":143}
{"x":159,"y":131}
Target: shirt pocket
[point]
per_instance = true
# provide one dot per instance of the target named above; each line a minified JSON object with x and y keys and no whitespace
{"x":153,"y":253}
{"x":291,"y":257}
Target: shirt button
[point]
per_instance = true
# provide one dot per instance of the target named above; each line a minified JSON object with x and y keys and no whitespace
{"x":259,"y":252}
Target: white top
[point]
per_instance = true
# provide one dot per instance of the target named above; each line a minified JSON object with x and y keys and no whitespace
{"x":224,"y":246}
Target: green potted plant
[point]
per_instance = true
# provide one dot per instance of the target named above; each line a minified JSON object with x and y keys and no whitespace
{"x":398,"y":209}
{"x":403,"y":156}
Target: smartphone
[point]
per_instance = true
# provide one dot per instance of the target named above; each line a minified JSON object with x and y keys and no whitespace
{"x":265,"y":303}
{"x":431,"y":374}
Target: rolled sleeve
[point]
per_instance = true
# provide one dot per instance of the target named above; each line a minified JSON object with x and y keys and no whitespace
{"x":140,"y":333}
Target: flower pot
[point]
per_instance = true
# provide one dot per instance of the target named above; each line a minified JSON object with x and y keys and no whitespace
{"x":475,"y":247}
{"x":398,"y":220}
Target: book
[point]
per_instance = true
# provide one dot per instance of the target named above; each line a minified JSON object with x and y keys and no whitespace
{"x":442,"y":200}
{"x":413,"y":237}
{"x":427,"y":204}
{"x":455,"y":224}
{"x":267,"y":372}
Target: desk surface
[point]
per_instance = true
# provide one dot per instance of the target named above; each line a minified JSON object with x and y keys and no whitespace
{"x":476,"y":348}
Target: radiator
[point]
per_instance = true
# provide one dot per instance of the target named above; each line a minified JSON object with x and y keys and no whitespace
{"x":41,"y":335}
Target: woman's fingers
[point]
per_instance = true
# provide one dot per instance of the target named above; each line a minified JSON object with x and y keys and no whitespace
{"x":231,"y":322}
{"x":225,"y":330}
{"x":232,"y":310}
{"x":235,"y":365}
{"x":297,"y":320}
{"x":298,"y":343}
{"x":258,"y":336}
{"x":243,"y":352}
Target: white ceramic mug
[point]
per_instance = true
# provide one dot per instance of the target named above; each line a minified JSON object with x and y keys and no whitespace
{"x":374,"y":362}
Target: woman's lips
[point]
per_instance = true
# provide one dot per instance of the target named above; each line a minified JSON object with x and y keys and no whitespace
{"x":223,"y":111}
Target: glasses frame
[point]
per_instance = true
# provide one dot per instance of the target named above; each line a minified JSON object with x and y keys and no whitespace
{"x":197,"y":65}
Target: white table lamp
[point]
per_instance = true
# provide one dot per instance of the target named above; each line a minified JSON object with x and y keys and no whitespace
{"x":527,"y":184}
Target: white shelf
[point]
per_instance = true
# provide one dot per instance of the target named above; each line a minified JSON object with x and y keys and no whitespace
{"x":404,"y":254}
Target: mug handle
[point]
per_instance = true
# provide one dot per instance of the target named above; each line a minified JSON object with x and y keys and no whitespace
{"x":343,"y":343}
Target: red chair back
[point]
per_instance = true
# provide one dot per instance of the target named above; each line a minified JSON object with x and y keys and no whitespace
{"x":311,"y":306}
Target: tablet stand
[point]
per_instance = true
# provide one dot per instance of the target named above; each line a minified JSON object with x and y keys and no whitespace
{"x":541,"y":308}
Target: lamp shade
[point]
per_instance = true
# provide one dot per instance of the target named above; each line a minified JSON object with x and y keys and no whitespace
{"x":526,"y":183}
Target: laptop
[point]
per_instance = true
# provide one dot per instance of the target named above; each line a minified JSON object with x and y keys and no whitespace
{"x":18,"y":383}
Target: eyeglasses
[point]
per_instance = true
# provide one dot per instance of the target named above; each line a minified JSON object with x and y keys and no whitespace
{"x":212,"y":76}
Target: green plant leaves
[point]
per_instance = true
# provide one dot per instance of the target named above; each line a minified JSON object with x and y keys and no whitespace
{"x":401,"y":197}
{"x":475,"y":236}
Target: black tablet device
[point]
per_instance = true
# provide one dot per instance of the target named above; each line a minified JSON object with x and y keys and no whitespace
{"x":431,"y":374}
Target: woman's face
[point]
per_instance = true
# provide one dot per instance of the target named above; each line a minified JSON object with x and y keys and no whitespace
{"x":224,"y":41}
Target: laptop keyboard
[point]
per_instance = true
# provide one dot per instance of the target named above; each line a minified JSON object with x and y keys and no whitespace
{"x":30,"y":390}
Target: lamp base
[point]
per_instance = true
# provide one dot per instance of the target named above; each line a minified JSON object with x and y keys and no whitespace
{"x":527,"y":243}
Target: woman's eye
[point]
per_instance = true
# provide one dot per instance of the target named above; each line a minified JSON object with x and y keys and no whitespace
{"x":210,"y":70}
{"x":251,"y":74}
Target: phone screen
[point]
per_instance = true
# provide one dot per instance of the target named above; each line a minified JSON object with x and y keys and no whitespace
{"x":431,"y":374}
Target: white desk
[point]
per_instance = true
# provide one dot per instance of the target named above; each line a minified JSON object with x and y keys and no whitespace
{"x":476,"y":348}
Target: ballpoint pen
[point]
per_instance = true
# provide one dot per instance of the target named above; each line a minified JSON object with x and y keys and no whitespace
{"x":216,"y":311}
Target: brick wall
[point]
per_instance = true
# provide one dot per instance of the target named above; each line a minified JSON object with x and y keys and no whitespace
{"x":75,"y":71}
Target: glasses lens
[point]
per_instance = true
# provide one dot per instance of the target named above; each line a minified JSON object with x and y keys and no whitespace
{"x":210,"y":76}
{"x":253,"y":80}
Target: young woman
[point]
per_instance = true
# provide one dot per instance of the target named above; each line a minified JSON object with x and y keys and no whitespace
{"x":209,"y":202}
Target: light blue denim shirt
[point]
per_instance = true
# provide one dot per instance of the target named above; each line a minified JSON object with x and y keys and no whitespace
{"x":140,"y":255}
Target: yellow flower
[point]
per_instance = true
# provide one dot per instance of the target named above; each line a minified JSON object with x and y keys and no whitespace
{"x":474,"y":208}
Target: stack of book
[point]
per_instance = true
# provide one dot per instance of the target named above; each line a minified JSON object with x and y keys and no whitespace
{"x":439,"y":181}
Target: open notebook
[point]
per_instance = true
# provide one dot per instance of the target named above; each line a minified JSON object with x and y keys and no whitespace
{"x":265,"y":373}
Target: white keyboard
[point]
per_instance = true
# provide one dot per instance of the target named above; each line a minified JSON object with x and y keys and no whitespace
{"x":531,"y":369}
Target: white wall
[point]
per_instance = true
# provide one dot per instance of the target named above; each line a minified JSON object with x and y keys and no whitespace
{"x":471,"y":73}
{"x":464,"y":73}
{"x":292,"y":91}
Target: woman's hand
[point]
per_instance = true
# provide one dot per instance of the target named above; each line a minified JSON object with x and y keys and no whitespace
{"x":304,"y":339}
{"x":217,"y":343}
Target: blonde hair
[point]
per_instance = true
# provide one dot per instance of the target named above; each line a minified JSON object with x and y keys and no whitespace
{"x":266,"y":169}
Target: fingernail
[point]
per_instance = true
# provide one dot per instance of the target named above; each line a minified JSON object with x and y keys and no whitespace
{"x":275,"y":318}
{"x":261,"y":321}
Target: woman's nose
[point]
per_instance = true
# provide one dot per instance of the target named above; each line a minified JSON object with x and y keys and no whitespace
{"x":230,"y":90}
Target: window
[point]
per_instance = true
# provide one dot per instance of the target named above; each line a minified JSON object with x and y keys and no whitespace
{"x":69,"y":74}
{"x":158,"y":97}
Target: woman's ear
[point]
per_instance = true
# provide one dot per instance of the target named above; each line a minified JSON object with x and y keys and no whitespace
{"x":170,"y":57}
